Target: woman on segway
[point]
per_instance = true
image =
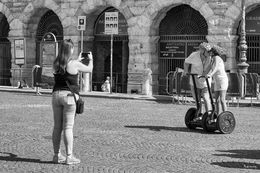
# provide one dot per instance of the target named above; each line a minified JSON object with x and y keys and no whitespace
{"x":219,"y":75}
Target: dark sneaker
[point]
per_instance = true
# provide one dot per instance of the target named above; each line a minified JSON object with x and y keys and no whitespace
{"x":59,"y":158}
{"x":72,"y":160}
{"x":212,"y":121}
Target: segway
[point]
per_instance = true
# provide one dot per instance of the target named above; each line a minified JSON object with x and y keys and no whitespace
{"x":193,"y":117}
{"x":209,"y":121}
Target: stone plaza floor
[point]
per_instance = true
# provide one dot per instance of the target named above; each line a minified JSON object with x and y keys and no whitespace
{"x":124,"y":136}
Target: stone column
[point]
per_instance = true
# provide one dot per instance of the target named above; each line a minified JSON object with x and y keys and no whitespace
{"x":139,"y":60}
{"x":154,"y":44}
{"x":147,"y":82}
{"x":87,"y":77}
{"x":16,"y":32}
{"x":242,"y":65}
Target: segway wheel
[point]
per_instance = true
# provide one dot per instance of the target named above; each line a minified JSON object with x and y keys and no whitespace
{"x":205,"y":122}
{"x":226,"y":122}
{"x":189,"y":117}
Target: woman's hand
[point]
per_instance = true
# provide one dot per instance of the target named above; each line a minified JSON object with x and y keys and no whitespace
{"x":90,"y":56}
{"x":80,"y":57}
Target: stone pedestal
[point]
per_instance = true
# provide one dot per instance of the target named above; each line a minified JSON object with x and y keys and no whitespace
{"x":147,"y":82}
{"x":86,"y":84}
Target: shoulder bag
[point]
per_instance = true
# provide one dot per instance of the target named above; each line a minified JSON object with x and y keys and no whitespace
{"x":79,"y":102}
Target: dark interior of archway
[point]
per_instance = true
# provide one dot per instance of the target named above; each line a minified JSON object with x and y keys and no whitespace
{"x":183,"y":20}
{"x":50,"y":23}
{"x":101,"y":51}
{"x":4,"y":28}
{"x":5,"y":52}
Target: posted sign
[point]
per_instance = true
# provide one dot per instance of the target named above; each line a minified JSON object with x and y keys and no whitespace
{"x":82,"y":23}
{"x":19,"y":48}
{"x":111,"y":22}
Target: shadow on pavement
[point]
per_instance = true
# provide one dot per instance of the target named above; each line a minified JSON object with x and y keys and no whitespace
{"x":241,"y":154}
{"x":159,"y":128}
{"x":237,"y":165}
{"x":15,"y":158}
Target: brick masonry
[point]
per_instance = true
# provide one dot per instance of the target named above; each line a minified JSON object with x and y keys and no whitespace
{"x":143,"y":19}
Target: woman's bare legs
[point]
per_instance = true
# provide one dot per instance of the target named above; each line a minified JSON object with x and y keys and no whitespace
{"x":217,"y":95}
{"x":220,"y":97}
{"x":223,"y":100}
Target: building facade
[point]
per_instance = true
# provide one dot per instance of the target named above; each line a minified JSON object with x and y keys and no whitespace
{"x":154,"y":37}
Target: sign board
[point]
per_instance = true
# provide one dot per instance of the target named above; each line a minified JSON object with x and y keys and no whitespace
{"x":172,"y":49}
{"x":81,"y":23}
{"x":49,"y":51}
{"x":178,"y":50}
{"x":111,"y":22}
{"x":19,"y":61}
{"x":122,"y":25}
{"x":19,"y":49}
{"x":192,"y":47}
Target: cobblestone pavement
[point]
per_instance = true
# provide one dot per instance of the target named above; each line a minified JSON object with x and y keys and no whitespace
{"x":124,"y":136}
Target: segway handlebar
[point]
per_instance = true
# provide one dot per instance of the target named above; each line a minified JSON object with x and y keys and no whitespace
{"x":207,"y":76}
{"x":199,"y":76}
{"x":192,"y":74}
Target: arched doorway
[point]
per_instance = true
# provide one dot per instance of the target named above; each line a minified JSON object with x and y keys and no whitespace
{"x":181,"y":31}
{"x":102,"y":54}
{"x":5,"y":52}
{"x":253,"y":40}
{"x":49,"y":22}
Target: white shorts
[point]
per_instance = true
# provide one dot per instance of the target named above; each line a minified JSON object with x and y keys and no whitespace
{"x":220,"y":83}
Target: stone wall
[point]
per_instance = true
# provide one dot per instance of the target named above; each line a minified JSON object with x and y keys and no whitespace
{"x":143,"y":18}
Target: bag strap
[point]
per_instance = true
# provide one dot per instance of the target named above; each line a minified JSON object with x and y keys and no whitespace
{"x":71,"y":91}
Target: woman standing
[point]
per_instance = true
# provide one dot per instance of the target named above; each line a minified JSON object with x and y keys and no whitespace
{"x":63,"y":104}
{"x":220,"y":78}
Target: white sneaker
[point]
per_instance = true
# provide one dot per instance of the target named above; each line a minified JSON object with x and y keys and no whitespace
{"x":72,"y":160}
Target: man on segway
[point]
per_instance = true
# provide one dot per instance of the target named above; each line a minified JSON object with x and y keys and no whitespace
{"x":196,"y":63}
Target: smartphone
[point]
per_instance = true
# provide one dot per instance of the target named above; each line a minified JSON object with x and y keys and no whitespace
{"x":85,"y":57}
{"x":84,"y":54}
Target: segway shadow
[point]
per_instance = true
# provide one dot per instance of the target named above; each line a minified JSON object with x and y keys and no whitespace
{"x":209,"y":121}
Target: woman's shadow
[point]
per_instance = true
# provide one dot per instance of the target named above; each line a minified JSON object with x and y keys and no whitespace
{"x":13,"y":157}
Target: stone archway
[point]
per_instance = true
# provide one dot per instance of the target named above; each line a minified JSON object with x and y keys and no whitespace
{"x":157,"y":11}
{"x":91,"y":39}
{"x":49,"y":22}
{"x":180,"y":30}
{"x":102,"y":53}
{"x":32,"y":15}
